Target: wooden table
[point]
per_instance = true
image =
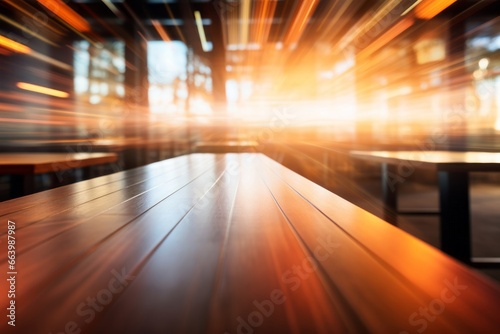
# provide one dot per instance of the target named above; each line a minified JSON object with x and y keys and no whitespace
{"x":231,"y":243}
{"x":453,"y":173}
{"x":132,"y":151}
{"x":23,"y":166}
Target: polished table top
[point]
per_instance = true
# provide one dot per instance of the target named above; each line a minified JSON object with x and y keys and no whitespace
{"x":440,"y":160}
{"x":207,"y":243}
{"x":36,"y":163}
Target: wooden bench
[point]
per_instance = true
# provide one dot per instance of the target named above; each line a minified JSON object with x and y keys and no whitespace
{"x":23,"y":166}
{"x":228,"y":243}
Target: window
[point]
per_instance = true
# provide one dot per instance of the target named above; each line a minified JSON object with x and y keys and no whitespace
{"x":99,"y":72}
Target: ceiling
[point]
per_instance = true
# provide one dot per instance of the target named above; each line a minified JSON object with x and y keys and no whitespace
{"x":249,"y":32}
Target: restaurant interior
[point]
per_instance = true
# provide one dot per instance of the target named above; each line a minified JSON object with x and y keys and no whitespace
{"x":358,"y":98}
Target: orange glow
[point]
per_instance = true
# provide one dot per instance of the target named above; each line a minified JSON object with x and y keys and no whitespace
{"x":65,"y":13}
{"x":430,"y":8}
{"x":159,"y":28}
{"x":232,"y":28}
{"x":298,"y":24}
{"x":14,"y":46}
{"x":388,"y":36}
{"x":264,"y":12}
{"x":42,"y":90}
{"x":244,"y":21}
{"x":369,"y":23}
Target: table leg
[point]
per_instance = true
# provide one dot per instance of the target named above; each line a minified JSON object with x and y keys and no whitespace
{"x":130,"y":158}
{"x":455,"y":214}
{"x":389,"y":193}
{"x":21,"y":185}
{"x":86,"y":173}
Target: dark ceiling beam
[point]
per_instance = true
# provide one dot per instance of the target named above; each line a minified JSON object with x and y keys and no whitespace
{"x":115,"y":21}
{"x":147,"y":1}
{"x":217,"y":58}
{"x":189,"y":28}
{"x":176,"y":22}
{"x":177,"y":1}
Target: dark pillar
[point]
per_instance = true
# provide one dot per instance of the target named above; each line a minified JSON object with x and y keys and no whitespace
{"x":455,"y":214}
{"x":63,"y":78}
{"x":390,"y":180}
{"x":136,"y":94}
{"x":458,"y":79}
{"x":218,"y":65}
{"x":136,"y":71}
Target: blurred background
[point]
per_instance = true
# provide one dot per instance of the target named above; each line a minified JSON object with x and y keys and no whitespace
{"x":305,"y":81}
{"x":358,"y":72}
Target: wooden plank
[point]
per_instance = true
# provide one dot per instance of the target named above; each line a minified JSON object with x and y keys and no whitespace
{"x":75,"y":234}
{"x":196,"y":242}
{"x":96,"y":187}
{"x":407,"y":256}
{"x":252,"y":291}
{"x":209,"y":235}
{"x":128,"y":249}
{"x":35,"y":226}
{"x":234,"y":243}
{"x":333,"y":252}
{"x":141,"y":196}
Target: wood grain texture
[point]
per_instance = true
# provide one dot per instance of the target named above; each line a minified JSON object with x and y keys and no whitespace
{"x":227,"y":243}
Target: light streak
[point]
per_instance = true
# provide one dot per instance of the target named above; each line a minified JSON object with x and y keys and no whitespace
{"x":159,"y":28}
{"x":298,"y":24}
{"x":65,"y":13}
{"x":201,"y":31}
{"x":42,"y":90}
{"x":430,"y":8}
{"x":13,"y":45}
{"x":411,"y":7}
